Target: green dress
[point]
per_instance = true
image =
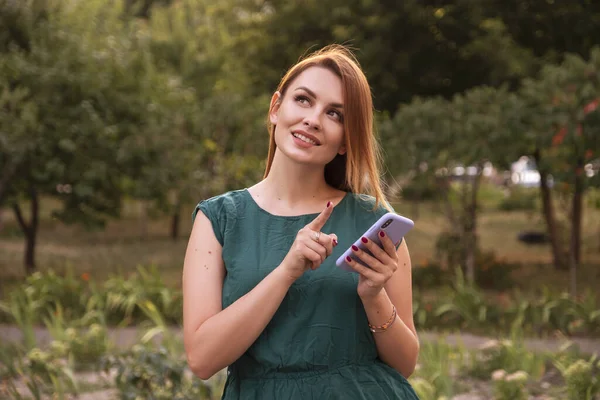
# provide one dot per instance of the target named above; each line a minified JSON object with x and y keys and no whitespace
{"x":318,"y":344}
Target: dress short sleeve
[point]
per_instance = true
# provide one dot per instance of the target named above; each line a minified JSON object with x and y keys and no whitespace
{"x":215,"y":210}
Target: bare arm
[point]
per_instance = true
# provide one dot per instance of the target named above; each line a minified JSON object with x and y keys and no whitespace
{"x":386,"y":284}
{"x":215,"y":337}
{"x":399,"y":345}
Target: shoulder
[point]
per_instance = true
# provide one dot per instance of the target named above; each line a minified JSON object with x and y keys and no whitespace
{"x":223,"y":203}
{"x":222,"y":211}
{"x":364,"y":203}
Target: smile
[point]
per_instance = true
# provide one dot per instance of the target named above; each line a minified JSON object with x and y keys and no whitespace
{"x":305,"y":138}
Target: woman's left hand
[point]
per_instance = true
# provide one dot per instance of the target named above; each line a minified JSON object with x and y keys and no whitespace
{"x":383,"y":263}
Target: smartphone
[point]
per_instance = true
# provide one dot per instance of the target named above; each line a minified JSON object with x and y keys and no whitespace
{"x":394,"y":226}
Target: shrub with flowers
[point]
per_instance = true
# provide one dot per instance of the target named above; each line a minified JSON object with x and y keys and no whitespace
{"x":510,"y":386}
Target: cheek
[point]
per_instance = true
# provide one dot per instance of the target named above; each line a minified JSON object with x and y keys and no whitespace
{"x":337,"y":133}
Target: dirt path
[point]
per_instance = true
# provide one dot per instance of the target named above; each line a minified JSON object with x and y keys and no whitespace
{"x":126,"y":337}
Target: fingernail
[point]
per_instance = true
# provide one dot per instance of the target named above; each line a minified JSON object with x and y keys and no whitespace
{"x":334,"y":242}
{"x":328,"y":204}
{"x":382,"y":234}
{"x":354,"y":248}
{"x":349,"y":259}
{"x":364,"y":240}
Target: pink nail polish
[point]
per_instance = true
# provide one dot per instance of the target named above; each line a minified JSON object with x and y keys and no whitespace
{"x":335,"y":243}
{"x":328,"y":204}
{"x":348,"y":259}
{"x":354,"y":248}
{"x":364,"y":240}
{"x":382,"y":234}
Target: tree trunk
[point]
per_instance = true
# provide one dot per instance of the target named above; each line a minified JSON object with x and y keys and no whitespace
{"x":470,"y":227}
{"x":548,"y":212}
{"x":576,"y":218}
{"x":444,"y":186}
{"x":30,"y":230}
{"x":7,"y":173}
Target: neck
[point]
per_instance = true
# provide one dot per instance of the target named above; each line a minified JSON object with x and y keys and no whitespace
{"x":295,"y":183}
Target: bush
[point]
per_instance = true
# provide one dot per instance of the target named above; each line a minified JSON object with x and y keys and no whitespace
{"x":579,"y":375}
{"x":149,"y":373}
{"x":43,"y":373}
{"x":520,"y":199}
{"x":490,"y":271}
{"x":510,"y":386}
{"x":431,"y":275}
{"x":493,"y":273}
{"x":41,"y":293}
{"x":420,"y":188}
{"x":506,"y":355}
{"x":120,"y":297}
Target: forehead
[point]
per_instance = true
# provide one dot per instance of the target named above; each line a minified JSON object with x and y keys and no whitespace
{"x":323,"y":82}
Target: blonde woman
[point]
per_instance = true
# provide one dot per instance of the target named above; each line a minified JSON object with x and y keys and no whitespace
{"x":262,"y":294}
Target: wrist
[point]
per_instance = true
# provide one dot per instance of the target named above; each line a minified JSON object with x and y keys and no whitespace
{"x":284,"y":275}
{"x":374,"y":299}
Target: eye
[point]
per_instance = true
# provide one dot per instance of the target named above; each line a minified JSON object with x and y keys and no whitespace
{"x":302,"y":99}
{"x":337,"y":115}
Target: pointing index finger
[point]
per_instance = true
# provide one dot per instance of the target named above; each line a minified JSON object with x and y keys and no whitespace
{"x":318,"y":223}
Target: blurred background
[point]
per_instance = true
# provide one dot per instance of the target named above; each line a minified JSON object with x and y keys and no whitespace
{"x":117,"y":117}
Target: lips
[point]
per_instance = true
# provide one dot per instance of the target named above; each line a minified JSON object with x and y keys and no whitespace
{"x":311,"y":137}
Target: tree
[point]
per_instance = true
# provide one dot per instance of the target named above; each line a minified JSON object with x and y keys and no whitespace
{"x":439,"y":135}
{"x":73,"y":103}
{"x":201,"y":114}
{"x":562,"y":125}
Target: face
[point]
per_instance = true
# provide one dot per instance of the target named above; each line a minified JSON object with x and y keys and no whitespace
{"x":309,"y":119}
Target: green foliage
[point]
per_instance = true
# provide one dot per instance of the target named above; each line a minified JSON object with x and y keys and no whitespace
{"x":52,"y":298}
{"x":41,"y":293}
{"x":490,"y":271}
{"x":154,"y":373}
{"x":421,"y":187}
{"x":581,"y":378}
{"x":83,"y":341}
{"x":557,"y":312}
{"x":468,"y":308}
{"x":435,"y":373}
{"x":9,"y":352}
{"x":430,"y":276}
{"x":520,"y":199}
{"x":424,"y":389}
{"x":43,"y":373}
{"x":122,"y":298}
{"x":509,"y":356}
{"x":510,"y":386}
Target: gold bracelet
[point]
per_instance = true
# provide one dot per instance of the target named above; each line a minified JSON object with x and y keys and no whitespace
{"x":384,"y":327}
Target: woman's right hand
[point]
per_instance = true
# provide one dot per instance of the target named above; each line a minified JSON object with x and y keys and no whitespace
{"x":307,"y":252}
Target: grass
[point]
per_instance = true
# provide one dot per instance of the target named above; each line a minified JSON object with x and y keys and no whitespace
{"x":129,"y":242}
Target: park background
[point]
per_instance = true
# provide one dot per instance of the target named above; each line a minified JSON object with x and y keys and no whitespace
{"x":117,"y":117}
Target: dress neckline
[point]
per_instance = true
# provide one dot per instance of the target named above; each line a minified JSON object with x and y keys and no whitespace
{"x":291,"y":217}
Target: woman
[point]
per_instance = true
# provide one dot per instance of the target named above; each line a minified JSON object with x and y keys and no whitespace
{"x":262,"y":293}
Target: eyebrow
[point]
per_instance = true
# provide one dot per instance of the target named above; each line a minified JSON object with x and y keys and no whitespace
{"x":313,"y":94}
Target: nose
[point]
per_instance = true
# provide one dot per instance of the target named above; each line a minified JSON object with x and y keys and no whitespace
{"x":312,"y":120}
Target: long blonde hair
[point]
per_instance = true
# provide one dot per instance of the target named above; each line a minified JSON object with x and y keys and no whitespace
{"x":357,"y":171}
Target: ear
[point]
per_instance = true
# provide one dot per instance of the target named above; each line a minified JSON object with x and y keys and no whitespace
{"x":274,"y":107}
